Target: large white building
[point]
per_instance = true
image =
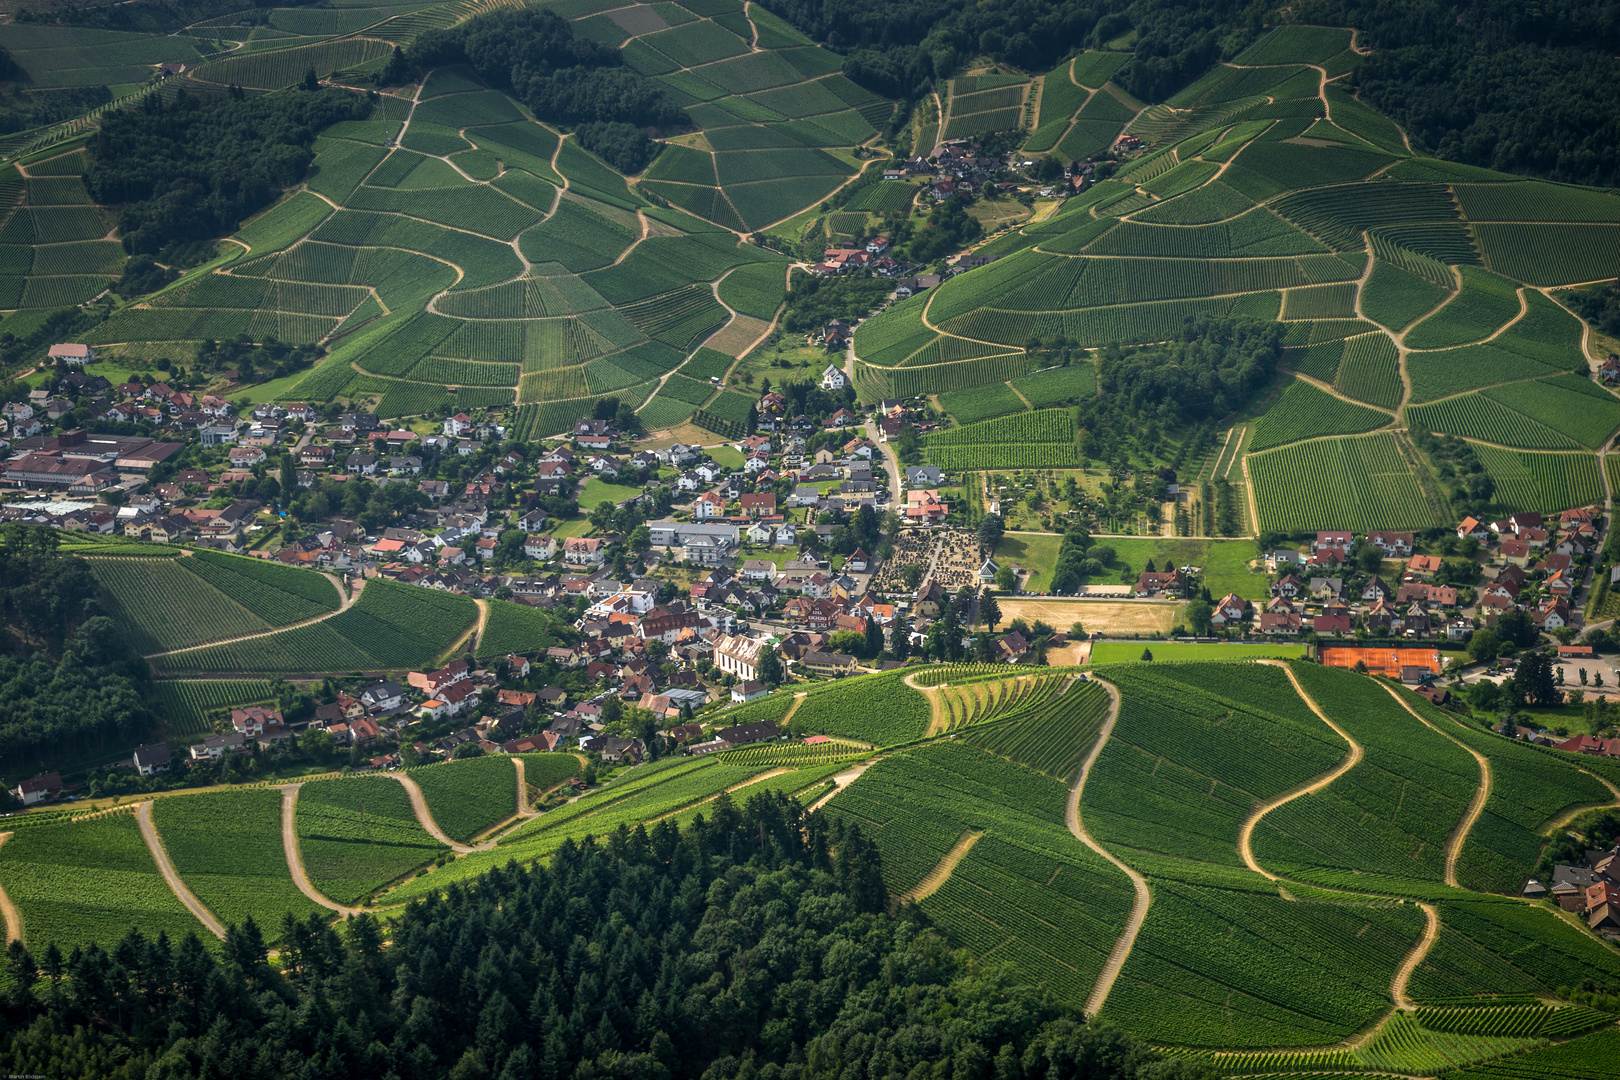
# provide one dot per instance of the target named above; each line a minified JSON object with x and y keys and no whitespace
{"x":739,"y":655}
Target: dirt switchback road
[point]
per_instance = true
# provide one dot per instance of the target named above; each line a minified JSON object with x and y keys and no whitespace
{"x":295,"y":860}
{"x":1133,"y":925}
{"x":160,"y":855}
{"x":1246,"y":833}
{"x":14,"y":925}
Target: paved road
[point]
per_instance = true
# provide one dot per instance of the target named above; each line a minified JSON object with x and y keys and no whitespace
{"x":893,"y":466}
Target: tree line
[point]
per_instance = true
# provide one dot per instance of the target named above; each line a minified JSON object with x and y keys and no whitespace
{"x":192,"y":169}
{"x":1212,"y":367}
{"x":70,"y":680}
{"x":754,"y":945}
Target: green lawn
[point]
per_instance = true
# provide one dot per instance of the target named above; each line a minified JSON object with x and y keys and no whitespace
{"x":1117,"y":652}
{"x":274,"y":390}
{"x":727,"y":457}
{"x":786,"y":361}
{"x":1571,"y":718}
{"x":1037,"y":554}
{"x":1225,"y":562}
{"x":778,"y":557}
{"x":600,"y":491}
{"x":574,"y":527}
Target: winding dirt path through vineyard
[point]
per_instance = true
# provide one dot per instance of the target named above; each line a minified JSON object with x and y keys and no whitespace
{"x":14,"y":923}
{"x":160,"y":855}
{"x":424,"y":817}
{"x":1459,"y":835}
{"x":1133,"y":925}
{"x":1246,"y":833}
{"x":941,"y":873}
{"x":346,"y":600}
{"x":1403,"y":974}
{"x":295,"y":858}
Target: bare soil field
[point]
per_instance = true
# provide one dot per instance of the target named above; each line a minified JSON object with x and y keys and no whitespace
{"x":1111,"y":617}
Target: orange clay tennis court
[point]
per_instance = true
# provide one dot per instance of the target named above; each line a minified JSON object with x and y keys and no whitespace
{"x":1381,"y":660}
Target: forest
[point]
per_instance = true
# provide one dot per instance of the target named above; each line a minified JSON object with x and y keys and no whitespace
{"x":67,"y":675}
{"x":535,"y":55}
{"x":1468,"y":80}
{"x":192,"y":169}
{"x":1211,"y":368}
{"x":737,"y":949}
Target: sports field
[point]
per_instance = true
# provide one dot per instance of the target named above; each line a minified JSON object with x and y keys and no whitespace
{"x":1381,"y":660}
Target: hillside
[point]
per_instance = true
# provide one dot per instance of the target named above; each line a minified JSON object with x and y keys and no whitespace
{"x":1299,"y":866}
{"x":1415,"y":294}
{"x":451,"y":252}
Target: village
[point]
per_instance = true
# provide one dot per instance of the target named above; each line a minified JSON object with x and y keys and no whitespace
{"x":708,"y":575}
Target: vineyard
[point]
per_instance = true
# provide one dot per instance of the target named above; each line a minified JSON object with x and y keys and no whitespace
{"x":1303,"y":412}
{"x":390,"y":627}
{"x":1263,"y":190}
{"x":1042,"y":439}
{"x":357,"y":835}
{"x":1390,"y":814}
{"x":517,"y":628}
{"x":1195,"y":746}
{"x":1541,"y":482}
{"x":1223,"y":966}
{"x":1528,"y":789}
{"x":1025,"y":890}
{"x":1355,"y":483}
{"x":889,"y":712}
{"x":979,"y":700}
{"x":467,"y":797}
{"x":1052,"y":736}
{"x":188,"y":705}
{"x":89,"y":881}
{"x":226,"y":847}
{"x":165,"y":606}
{"x":1492,"y":946}
{"x":644,"y":797}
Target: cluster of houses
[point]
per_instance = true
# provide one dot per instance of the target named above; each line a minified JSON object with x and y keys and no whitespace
{"x":1535,"y":563}
{"x":1590,"y":890}
{"x":1531,"y":565}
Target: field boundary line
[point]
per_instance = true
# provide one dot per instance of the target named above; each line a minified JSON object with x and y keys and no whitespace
{"x":1456,"y":291}
{"x":843,"y":780}
{"x":295,"y":858}
{"x":941,"y":873}
{"x":1329,"y":388}
{"x":769,"y":774}
{"x":488,"y":839}
{"x":798,"y":699}
{"x":936,"y":707}
{"x":1246,"y":831}
{"x":1403,"y":974}
{"x":1476,"y":807}
{"x":1571,"y":814}
{"x":13,"y":915}
{"x":1139,"y":907}
{"x":345,"y":601}
{"x":424,"y":816}
{"x":171,"y":876}
{"x":1249,"y":496}
{"x":476,"y":630}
